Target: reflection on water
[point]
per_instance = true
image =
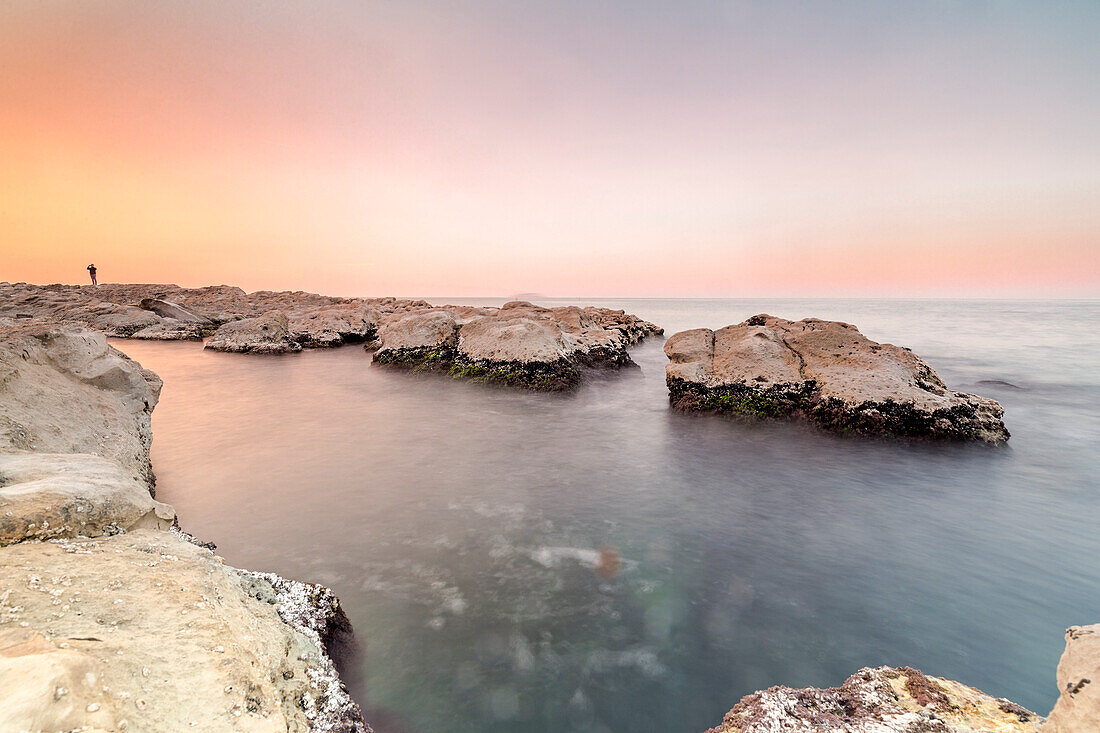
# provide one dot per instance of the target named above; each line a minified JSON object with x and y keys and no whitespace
{"x":595,"y":562}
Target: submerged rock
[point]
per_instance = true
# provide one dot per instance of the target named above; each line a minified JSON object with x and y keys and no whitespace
{"x":265,"y":334}
{"x":880,"y":700}
{"x":518,"y":344}
{"x":826,"y":372}
{"x":1078,"y":706}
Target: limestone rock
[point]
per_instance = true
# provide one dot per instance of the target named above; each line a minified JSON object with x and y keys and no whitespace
{"x":50,"y":495}
{"x":880,"y":700}
{"x":63,"y":389}
{"x":518,"y":344}
{"x":51,"y":688}
{"x":334,"y":325}
{"x":520,"y":340}
{"x":167,"y":309}
{"x":424,"y":330}
{"x":1078,"y":706}
{"x":171,"y":330}
{"x":179,"y":641}
{"x":826,"y":372}
{"x":265,"y":334}
{"x":589,"y":337}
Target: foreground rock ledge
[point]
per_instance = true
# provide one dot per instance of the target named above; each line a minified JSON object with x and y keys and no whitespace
{"x":880,"y":700}
{"x":148,"y":628}
{"x":518,"y":345}
{"x":826,"y":372}
{"x":1078,"y":706}
{"x":110,"y":619}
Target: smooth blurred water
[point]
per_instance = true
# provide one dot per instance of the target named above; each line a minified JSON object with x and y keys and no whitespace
{"x":459,"y":524}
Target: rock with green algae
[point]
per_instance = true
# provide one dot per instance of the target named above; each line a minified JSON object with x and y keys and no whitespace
{"x":517,"y":345}
{"x":826,"y":372}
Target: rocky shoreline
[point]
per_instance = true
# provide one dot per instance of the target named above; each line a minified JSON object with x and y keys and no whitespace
{"x":517,"y":345}
{"x":111,"y":618}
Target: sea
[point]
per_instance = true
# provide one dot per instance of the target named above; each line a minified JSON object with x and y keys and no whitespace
{"x":599,"y":562}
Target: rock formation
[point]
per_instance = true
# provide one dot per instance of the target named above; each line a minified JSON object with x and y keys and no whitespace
{"x":265,"y":334}
{"x":518,"y":344}
{"x":65,"y":390}
{"x":825,"y":372}
{"x":169,"y":312}
{"x":881,"y":700}
{"x":111,"y":619}
{"x":1078,"y":706}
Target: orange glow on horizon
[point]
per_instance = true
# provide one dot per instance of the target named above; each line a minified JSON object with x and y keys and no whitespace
{"x":401,"y":150}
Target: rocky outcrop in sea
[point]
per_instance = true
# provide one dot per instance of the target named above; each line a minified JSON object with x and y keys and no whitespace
{"x":825,"y":372}
{"x":110,"y":617}
{"x":880,"y":700}
{"x":518,"y":344}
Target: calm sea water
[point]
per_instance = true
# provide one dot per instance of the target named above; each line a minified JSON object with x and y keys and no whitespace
{"x":460,"y":524}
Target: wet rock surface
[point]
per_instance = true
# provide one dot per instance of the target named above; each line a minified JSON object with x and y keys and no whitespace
{"x":879,"y":700}
{"x":826,"y":372}
{"x":517,"y":345}
{"x":110,"y":617}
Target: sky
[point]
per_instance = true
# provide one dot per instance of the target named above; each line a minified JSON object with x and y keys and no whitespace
{"x":571,"y":148}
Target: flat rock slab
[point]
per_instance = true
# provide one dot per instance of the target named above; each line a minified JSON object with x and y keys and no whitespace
{"x":880,"y":700}
{"x":826,"y":372}
{"x":67,"y":495}
{"x":152,"y":630}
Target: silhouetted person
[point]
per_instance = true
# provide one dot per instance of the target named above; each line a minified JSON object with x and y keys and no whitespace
{"x":91,"y":271}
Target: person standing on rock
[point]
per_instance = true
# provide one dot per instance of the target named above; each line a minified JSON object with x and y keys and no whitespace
{"x":91,"y":271}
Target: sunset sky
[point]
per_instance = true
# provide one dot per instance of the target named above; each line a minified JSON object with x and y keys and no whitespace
{"x":576,"y":147}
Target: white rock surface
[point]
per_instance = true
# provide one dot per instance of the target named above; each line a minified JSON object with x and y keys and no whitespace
{"x":1078,"y":706}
